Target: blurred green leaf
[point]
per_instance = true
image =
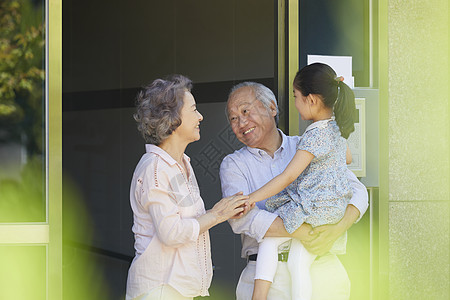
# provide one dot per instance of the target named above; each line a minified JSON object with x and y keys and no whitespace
{"x":22,"y":76}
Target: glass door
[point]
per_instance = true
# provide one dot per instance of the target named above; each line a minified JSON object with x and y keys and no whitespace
{"x":30,"y":150}
{"x":110,"y":51}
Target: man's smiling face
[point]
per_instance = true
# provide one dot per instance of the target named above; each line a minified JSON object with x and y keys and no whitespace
{"x":250,"y":120}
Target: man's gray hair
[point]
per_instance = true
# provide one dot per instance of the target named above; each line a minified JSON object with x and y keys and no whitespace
{"x":262,"y":93}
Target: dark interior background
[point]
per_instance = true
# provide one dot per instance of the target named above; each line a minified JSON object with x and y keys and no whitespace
{"x":112,"y":48}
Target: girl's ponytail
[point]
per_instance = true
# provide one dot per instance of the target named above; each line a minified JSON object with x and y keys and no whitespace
{"x":320,"y":79}
{"x":345,"y":109}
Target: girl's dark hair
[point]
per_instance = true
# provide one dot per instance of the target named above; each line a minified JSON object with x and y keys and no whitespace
{"x":320,"y":79}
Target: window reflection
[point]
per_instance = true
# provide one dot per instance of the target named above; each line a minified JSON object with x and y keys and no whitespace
{"x":22,"y":113}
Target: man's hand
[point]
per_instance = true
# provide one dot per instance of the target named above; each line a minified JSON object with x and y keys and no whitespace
{"x":326,"y":235}
{"x":305,"y":233}
{"x":302,"y":233}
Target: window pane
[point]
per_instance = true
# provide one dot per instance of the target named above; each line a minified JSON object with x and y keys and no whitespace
{"x":22,"y":111}
{"x":23,"y":272}
{"x":340,"y":28}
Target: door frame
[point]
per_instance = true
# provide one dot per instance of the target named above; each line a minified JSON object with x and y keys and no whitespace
{"x":48,"y":233}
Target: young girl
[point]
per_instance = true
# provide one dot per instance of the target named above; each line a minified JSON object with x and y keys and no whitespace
{"x":317,"y":191}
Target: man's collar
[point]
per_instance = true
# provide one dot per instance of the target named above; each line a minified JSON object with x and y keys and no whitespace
{"x":283,"y":141}
{"x":259,"y":152}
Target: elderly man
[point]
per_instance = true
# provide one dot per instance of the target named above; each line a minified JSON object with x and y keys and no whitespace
{"x":252,"y":112}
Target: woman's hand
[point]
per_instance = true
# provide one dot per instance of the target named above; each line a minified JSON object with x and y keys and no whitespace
{"x":231,"y":207}
{"x":246,"y":208}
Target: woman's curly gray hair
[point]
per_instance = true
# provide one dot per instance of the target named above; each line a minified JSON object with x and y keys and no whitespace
{"x":158,"y":107}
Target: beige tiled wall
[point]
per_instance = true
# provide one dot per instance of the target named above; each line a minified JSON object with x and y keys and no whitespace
{"x":418,"y":149}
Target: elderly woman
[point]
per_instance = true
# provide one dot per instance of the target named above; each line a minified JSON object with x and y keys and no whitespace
{"x":173,"y":258}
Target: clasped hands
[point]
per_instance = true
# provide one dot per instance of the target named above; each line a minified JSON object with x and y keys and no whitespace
{"x":247,"y":206}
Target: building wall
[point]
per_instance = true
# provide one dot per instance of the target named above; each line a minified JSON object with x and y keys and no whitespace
{"x":418,"y":148}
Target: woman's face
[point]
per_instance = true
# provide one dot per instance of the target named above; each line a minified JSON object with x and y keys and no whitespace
{"x":190,"y":120}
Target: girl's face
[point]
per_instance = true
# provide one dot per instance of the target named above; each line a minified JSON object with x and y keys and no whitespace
{"x":189,"y":129}
{"x":303,"y":105}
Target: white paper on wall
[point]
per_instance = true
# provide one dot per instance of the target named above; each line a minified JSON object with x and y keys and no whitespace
{"x":342,"y":65}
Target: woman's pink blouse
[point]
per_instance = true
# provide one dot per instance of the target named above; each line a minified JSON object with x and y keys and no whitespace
{"x":169,"y":249}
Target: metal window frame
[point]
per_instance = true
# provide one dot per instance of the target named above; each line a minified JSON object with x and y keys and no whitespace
{"x":54,"y":144}
{"x":287,"y":60}
{"x":383,"y":205}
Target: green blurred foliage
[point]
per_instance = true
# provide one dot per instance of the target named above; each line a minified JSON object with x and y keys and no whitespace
{"x":23,"y":199}
{"x":22,"y":73}
{"x":23,"y":272}
{"x":23,"y":267}
{"x":220,"y":291}
{"x":83,"y":275}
